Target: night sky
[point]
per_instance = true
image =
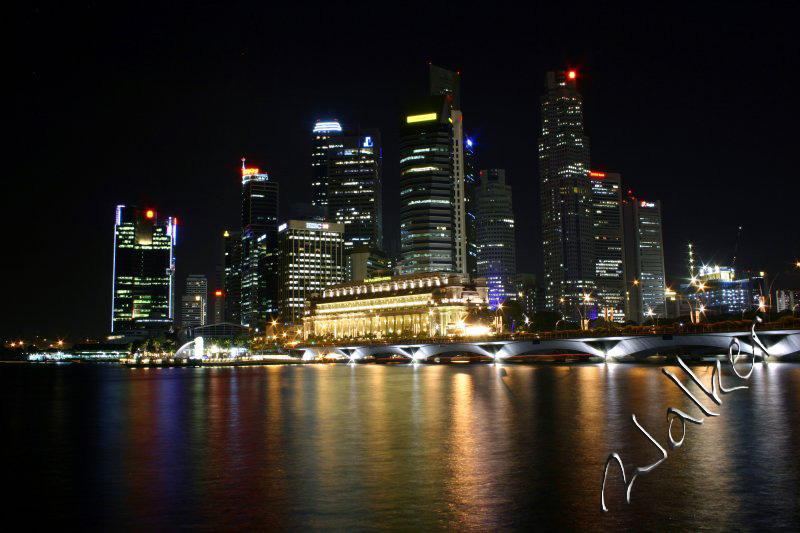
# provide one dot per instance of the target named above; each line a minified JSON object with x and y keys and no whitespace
{"x":155,"y":106}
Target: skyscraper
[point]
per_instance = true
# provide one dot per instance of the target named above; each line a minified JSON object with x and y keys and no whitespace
{"x":608,"y":243}
{"x":143,"y":271}
{"x":197,"y":285}
{"x":644,"y":258}
{"x":232,"y":276}
{"x":470,"y":207}
{"x":432,"y":205}
{"x":259,"y":234}
{"x":325,"y":136}
{"x":354,"y":188}
{"x":566,"y":196}
{"x":497,"y":261}
{"x":311,"y":258}
{"x":192,"y":310}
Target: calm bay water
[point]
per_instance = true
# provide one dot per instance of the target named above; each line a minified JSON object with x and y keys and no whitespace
{"x":461,"y":447}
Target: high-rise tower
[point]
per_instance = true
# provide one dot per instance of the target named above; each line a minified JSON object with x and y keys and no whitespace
{"x":497,"y":261}
{"x":325,"y":136}
{"x":608,"y":243}
{"x":259,"y":246}
{"x":432,"y":204}
{"x":354,"y":188}
{"x":644,"y":258}
{"x":566,"y":196}
{"x":470,"y":206}
{"x":144,"y":270}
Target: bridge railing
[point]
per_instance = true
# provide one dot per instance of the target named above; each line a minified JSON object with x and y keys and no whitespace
{"x":787,"y":323}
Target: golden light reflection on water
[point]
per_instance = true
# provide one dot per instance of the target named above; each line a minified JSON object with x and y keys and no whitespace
{"x":466,"y":447}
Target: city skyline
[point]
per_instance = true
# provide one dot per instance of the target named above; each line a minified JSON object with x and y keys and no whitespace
{"x":692,"y":173}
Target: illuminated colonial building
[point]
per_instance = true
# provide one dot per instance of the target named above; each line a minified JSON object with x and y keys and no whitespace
{"x":566,"y":196}
{"x":144,"y":269}
{"x":426,"y":304}
{"x":311,"y":259}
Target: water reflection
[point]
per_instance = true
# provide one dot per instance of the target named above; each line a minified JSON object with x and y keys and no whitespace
{"x":422,"y":447}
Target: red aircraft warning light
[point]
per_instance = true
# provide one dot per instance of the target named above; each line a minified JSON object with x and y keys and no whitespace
{"x":150,"y":213}
{"x":571,"y":74}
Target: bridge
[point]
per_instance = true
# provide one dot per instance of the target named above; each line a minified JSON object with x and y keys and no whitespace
{"x":781,"y":345}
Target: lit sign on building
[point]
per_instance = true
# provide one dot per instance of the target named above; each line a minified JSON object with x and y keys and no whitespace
{"x":597,"y":174}
{"x":316,"y":225}
{"x":282,"y":227}
{"x":367,"y":142}
{"x":646,"y":204}
{"x":421,"y":118}
{"x":325,"y":126}
{"x":217,"y":293}
{"x":249,"y":171}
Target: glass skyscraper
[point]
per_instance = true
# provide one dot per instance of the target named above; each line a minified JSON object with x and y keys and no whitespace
{"x":354,"y":188}
{"x":608,"y":244}
{"x":644,"y":258}
{"x":324,"y":137}
{"x":432,"y":202}
{"x":143,"y":271}
{"x":259,"y":246}
{"x":566,"y":196}
{"x":497,"y":260}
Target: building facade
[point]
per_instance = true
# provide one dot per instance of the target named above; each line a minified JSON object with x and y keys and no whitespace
{"x":197,"y":286}
{"x":608,"y":244}
{"x":325,"y":136}
{"x":496,"y":242}
{"x":259,"y":246}
{"x":143,"y":270}
{"x":193,"y":308}
{"x":355,"y":194}
{"x":644,"y":258}
{"x":566,"y":196}
{"x":432,"y":201}
{"x":311,"y":259}
{"x":470,"y":206}
{"x":232,"y":276}
{"x":423,"y":305}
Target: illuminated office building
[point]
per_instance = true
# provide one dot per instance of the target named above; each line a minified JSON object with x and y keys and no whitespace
{"x":608,"y":244}
{"x":566,"y":196}
{"x":719,"y":290}
{"x":432,"y":204}
{"x":325,"y":136}
{"x":354,"y":193}
{"x":197,"y":285}
{"x":259,"y":248}
{"x":144,"y":270}
{"x":232,"y":276}
{"x":644,"y":258}
{"x":470,"y":207}
{"x":497,"y":260}
{"x":311,"y":259}
{"x":424,"y":305}
{"x":193,"y":309}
